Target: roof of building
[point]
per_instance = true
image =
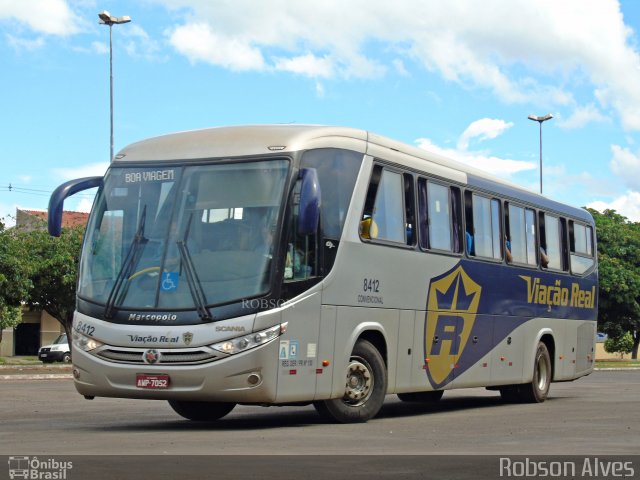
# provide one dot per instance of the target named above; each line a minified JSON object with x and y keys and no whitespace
{"x":69,"y":218}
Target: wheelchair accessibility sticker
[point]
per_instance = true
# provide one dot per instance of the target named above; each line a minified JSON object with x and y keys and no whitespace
{"x":169,"y":281}
{"x":289,"y":349}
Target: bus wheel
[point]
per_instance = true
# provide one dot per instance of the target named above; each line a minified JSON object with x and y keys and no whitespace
{"x":538,"y":389}
{"x":201,"y":411}
{"x":365,"y":388}
{"x":421,"y":397}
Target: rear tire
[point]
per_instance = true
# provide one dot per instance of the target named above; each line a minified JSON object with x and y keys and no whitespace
{"x":66,"y":358}
{"x":365,"y":388}
{"x":421,"y":397}
{"x":201,"y":411}
{"x":538,"y":390}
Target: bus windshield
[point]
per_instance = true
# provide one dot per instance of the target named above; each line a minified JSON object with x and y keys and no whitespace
{"x":186,"y":237}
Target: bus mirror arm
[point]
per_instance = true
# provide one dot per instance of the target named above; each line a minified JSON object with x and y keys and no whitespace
{"x":310,"y":199}
{"x":56,"y":202}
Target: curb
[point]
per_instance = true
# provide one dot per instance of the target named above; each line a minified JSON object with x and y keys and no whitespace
{"x":43,"y":376}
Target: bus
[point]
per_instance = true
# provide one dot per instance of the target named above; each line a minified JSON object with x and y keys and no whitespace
{"x":293,"y":265}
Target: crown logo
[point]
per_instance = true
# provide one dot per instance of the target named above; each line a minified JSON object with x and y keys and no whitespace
{"x":451,"y":312}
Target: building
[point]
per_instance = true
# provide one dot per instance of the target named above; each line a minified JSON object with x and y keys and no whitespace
{"x":37,"y":328}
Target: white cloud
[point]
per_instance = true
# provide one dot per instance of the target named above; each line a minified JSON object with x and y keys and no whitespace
{"x":483,"y":129}
{"x":399,"y":67}
{"x":8,"y":214}
{"x":51,"y":17}
{"x":199,"y":42}
{"x":25,"y":43}
{"x":100,"y":48}
{"x":308,"y":65}
{"x":139,"y":44}
{"x":626,"y":165}
{"x":84,"y":205}
{"x":627,"y":205}
{"x":501,"y":167}
{"x":581,"y":116}
{"x":90,"y":170}
{"x":521,"y":51}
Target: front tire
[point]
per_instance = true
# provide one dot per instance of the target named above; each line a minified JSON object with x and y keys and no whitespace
{"x":365,"y":388}
{"x":201,"y":411}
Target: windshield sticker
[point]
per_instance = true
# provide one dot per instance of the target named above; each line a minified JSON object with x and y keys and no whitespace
{"x":150,"y":176}
{"x":169,"y":281}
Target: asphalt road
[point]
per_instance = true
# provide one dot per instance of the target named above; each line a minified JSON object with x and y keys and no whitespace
{"x":596,"y":415}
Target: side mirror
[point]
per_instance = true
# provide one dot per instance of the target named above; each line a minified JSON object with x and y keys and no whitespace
{"x":56,"y":202}
{"x":309,"y":214}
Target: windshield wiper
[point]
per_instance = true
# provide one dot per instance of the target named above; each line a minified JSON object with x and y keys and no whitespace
{"x":117,"y":294}
{"x":195,"y":287}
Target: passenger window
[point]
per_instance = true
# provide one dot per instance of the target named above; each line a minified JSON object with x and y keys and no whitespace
{"x":520,"y":244}
{"x":581,"y":247}
{"x":384,"y":214}
{"x":550,"y":242}
{"x":483,"y":227}
{"x":439,"y":216}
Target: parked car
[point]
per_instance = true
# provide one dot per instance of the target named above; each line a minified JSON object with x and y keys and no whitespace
{"x":601,"y":337}
{"x":58,"y":351}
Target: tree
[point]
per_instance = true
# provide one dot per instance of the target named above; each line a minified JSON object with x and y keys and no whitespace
{"x":40,"y":271}
{"x":622,"y":345}
{"x":9,"y":318}
{"x":14,"y":279}
{"x":54,"y":273}
{"x":619,"y":271}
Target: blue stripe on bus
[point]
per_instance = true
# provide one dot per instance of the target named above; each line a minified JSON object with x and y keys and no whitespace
{"x":476,"y":305}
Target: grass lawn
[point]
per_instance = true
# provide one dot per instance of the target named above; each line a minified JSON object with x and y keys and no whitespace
{"x":617,"y":364}
{"x":20,"y":361}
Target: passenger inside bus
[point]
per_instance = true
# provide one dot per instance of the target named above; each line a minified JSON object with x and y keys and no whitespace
{"x":470,"y":249}
{"x":368,"y":228}
{"x":544,"y":259}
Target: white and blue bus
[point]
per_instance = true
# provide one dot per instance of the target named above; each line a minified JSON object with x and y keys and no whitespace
{"x":290,"y":264}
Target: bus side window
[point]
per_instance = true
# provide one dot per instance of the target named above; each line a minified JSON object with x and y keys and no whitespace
{"x":440,"y":216}
{"x":550,"y":242}
{"x":483,"y":229}
{"x":581,"y":247}
{"x":384,"y":213}
{"x":520,"y":243}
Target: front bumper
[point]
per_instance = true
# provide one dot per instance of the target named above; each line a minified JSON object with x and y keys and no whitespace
{"x":248,"y":377}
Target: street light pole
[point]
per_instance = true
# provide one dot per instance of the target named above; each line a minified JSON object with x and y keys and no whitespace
{"x":548,"y":116}
{"x":107,"y":19}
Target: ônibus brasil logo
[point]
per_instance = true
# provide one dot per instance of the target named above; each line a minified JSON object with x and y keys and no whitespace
{"x":38,"y":469}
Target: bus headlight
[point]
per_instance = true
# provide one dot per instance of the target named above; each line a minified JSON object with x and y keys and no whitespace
{"x":247,"y":342}
{"x":85,"y":343}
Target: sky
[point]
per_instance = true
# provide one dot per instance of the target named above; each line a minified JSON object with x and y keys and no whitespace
{"x":456,"y":78}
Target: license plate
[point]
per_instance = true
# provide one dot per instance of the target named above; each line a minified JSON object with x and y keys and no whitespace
{"x":152,"y":381}
{"x":43,"y":355}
